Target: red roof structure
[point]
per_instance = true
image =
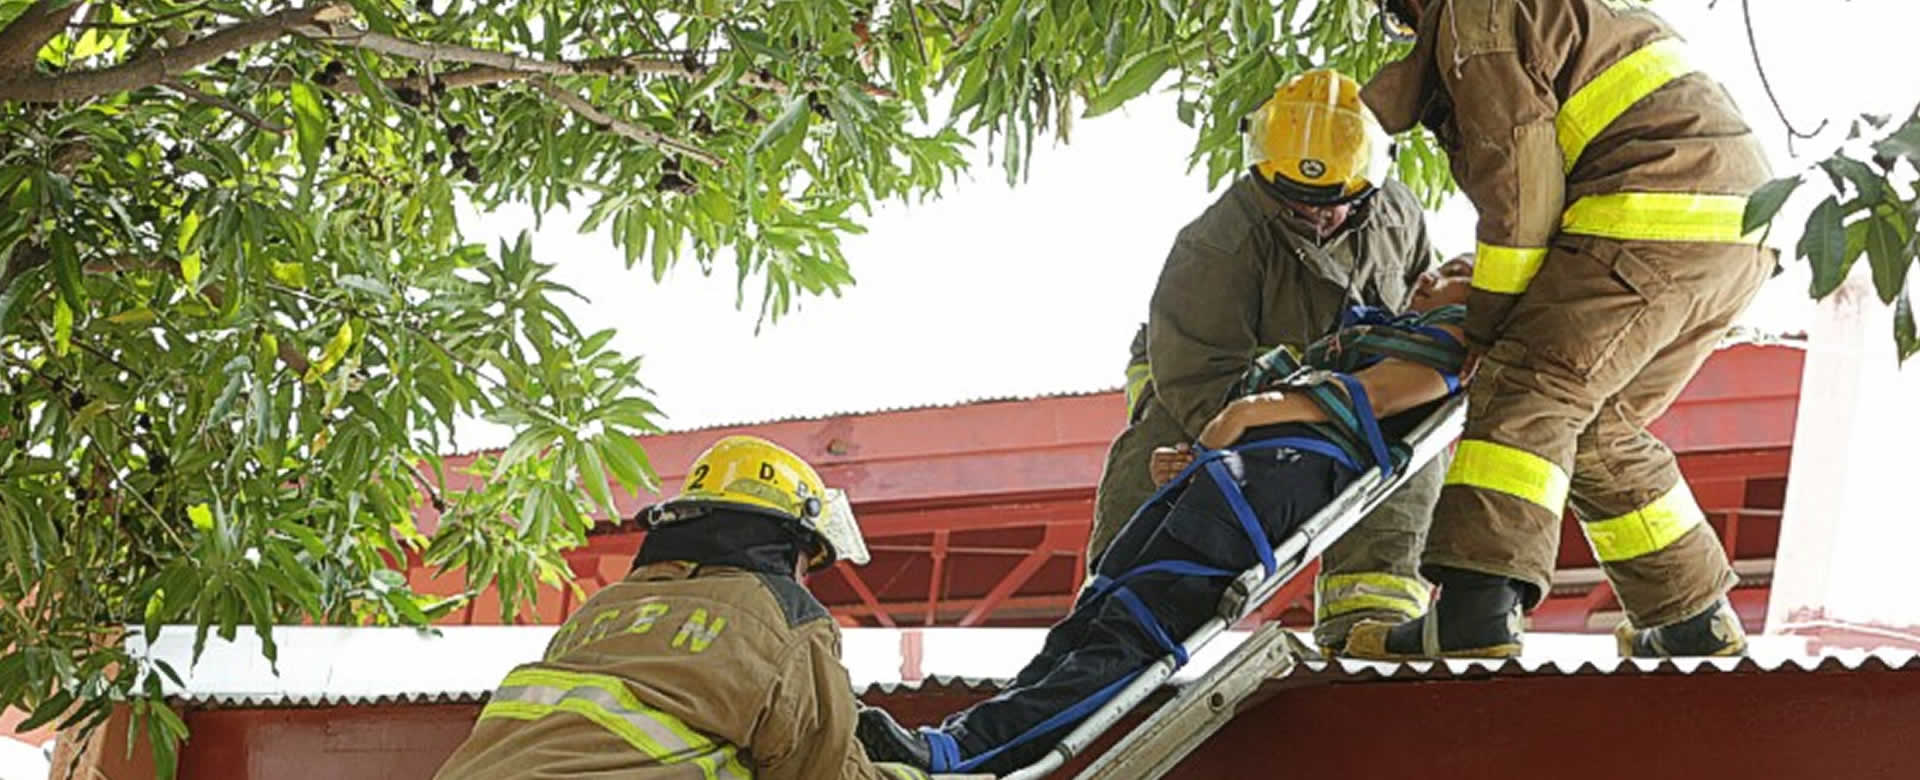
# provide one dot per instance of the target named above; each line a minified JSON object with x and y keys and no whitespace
{"x":978,"y":513}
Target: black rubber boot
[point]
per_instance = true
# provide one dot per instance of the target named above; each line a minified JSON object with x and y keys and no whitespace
{"x":1477,"y":616}
{"x":888,"y":741}
{"x":1716,"y":631}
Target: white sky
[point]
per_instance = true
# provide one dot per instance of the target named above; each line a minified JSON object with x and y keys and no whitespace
{"x":991,"y":291}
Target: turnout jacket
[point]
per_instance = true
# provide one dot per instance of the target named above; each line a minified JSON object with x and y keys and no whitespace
{"x":1577,"y":116}
{"x":679,"y":671}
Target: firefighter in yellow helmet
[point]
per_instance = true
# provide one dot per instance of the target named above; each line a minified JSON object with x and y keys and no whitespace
{"x":1312,"y":228}
{"x":710,"y":659}
{"x":1611,"y":176}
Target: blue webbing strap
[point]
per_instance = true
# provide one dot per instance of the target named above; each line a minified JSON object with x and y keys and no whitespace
{"x":1151,"y":625}
{"x":1072,"y":714}
{"x":944,"y":750}
{"x":1304,"y":444}
{"x":1103,"y":585}
{"x":1242,"y":511}
{"x":1369,"y":424}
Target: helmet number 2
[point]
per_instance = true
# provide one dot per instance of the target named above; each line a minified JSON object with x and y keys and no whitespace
{"x":699,"y":474}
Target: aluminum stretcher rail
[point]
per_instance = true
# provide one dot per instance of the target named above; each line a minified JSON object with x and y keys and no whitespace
{"x":1248,"y":592}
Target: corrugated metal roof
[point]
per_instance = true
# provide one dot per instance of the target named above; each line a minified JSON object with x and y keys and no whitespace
{"x":326,"y":666}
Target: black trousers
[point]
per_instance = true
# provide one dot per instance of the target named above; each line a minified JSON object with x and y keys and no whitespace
{"x":1100,"y":642}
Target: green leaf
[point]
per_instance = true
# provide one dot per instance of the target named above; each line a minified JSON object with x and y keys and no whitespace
{"x":1766,"y":202}
{"x":66,"y":270}
{"x":384,"y":580}
{"x":331,"y":355}
{"x":139,"y":316}
{"x":1902,"y":143}
{"x":17,"y":290}
{"x":62,"y":327}
{"x":190,"y":269}
{"x":1136,"y":76}
{"x":1886,"y":252}
{"x":628,"y":457}
{"x":1824,"y":245}
{"x":1865,"y":182}
{"x":202,"y":516}
{"x":792,"y":122}
{"x":309,"y":122}
{"x":365,"y":285}
{"x":593,"y":471}
{"x":47,"y":711}
{"x":189,"y":229}
{"x":1906,"y":343}
{"x":290,"y":274}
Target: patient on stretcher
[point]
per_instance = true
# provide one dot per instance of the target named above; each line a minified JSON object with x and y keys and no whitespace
{"x":1297,"y":432}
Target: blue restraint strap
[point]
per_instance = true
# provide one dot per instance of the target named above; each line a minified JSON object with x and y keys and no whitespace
{"x":945,"y":750}
{"x":1369,"y":424}
{"x":1069,"y":715}
{"x":1242,"y":511}
{"x":1150,"y":624}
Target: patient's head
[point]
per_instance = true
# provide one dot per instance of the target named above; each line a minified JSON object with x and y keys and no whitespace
{"x":1444,"y":286}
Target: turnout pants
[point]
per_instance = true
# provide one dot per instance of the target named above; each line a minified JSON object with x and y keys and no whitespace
{"x":1102,"y":643}
{"x":1599,"y":345}
{"x":1371,"y":572}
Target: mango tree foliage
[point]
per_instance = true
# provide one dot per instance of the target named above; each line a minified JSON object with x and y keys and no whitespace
{"x":239,"y":319}
{"x":1872,"y":211}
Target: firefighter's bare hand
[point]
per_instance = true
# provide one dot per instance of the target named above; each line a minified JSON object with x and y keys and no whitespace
{"x":1167,"y":462}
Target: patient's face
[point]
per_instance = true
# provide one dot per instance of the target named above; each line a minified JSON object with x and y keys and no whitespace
{"x":1443,"y":286}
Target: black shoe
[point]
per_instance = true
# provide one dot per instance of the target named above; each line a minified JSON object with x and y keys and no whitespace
{"x":1716,"y":631}
{"x":888,"y":741}
{"x":1477,"y":616}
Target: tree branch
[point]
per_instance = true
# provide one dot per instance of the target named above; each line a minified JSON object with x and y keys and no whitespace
{"x":219,"y":102}
{"x":496,"y":66}
{"x":644,"y":135}
{"x":21,"y":41}
{"x":164,"y":64}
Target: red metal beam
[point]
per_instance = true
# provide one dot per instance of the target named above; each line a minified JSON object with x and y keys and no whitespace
{"x":934,"y":583}
{"x":865,"y":593}
{"x":1022,"y":571}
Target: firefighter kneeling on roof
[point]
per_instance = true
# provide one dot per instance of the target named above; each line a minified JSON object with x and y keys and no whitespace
{"x":710,"y":660}
{"x":1292,"y":442}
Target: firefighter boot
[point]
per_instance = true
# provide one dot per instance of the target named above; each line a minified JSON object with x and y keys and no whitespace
{"x":1477,"y":616}
{"x":1716,"y":631}
{"x":1330,"y":635}
{"x":888,"y":741}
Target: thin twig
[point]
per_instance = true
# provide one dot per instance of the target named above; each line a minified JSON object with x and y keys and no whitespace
{"x":439,"y":503}
{"x":644,"y":135}
{"x":919,"y":37}
{"x":1753,"y":44}
{"x":219,"y":102}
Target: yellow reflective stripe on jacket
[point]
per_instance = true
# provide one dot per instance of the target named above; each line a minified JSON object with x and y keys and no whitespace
{"x":1339,"y":594}
{"x":1515,"y":472}
{"x":1592,"y":108}
{"x":533,"y":693}
{"x":1505,"y":269}
{"x":1648,"y":529}
{"x":1138,"y":374}
{"x":1659,"y":216}
{"x":902,"y":771}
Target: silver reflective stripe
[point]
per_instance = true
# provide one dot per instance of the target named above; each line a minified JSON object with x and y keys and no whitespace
{"x":647,"y":731}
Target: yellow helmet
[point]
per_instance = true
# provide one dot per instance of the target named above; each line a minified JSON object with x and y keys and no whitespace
{"x":1315,"y":142}
{"x":751,"y":474}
